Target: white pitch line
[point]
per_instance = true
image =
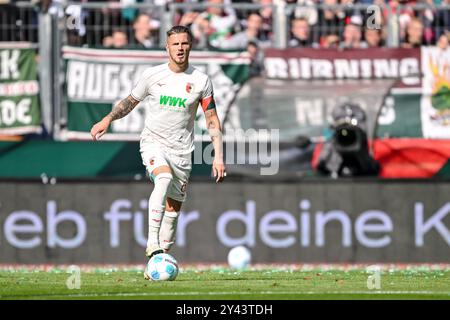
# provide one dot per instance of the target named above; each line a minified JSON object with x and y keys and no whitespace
{"x":197,"y":293}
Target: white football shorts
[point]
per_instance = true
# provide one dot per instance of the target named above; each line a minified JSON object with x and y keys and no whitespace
{"x":154,"y":156}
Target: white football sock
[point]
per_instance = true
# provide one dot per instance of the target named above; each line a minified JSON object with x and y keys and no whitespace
{"x":168,"y":229}
{"x":156,"y":206}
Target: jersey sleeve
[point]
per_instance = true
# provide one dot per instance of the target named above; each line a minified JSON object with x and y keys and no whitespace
{"x":207,"y":98}
{"x":140,"y":90}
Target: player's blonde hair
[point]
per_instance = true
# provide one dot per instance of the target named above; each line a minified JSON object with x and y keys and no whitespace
{"x":180,"y":29}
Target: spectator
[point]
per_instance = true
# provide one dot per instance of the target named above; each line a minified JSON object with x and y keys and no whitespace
{"x":330,"y":41}
{"x":118,"y":39}
{"x":305,"y":9}
{"x":352,"y":35}
{"x":301,"y":36}
{"x":188,"y":18}
{"x":143,"y":32}
{"x":216,"y":24}
{"x":373,"y":38}
{"x":253,"y":32}
{"x":348,"y":10}
{"x":256,"y":60}
{"x":107,"y":42}
{"x":414,"y":34}
{"x":331,"y":20}
{"x":184,"y":16}
{"x":129,"y":14}
{"x":399,"y":9}
{"x":242,"y":15}
{"x":267,"y":16}
{"x":428,"y":15}
{"x":443,"y":41}
{"x":442,"y":21}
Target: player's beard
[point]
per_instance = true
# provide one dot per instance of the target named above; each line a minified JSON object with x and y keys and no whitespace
{"x":181,"y":60}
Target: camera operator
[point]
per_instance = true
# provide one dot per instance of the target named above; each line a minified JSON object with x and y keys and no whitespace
{"x":347,"y":153}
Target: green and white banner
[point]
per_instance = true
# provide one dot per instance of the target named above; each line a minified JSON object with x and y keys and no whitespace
{"x":96,"y":79}
{"x":422,"y":111}
{"x":435,"y":101}
{"x":19,"y":90}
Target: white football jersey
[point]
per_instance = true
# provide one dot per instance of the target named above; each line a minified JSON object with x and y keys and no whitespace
{"x":173,"y":98}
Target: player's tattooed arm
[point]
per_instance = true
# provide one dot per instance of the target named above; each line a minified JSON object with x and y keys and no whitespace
{"x":215,"y":131}
{"x":213,"y":124}
{"x":123,"y":108}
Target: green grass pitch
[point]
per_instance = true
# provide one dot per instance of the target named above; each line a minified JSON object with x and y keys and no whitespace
{"x":219,"y":282}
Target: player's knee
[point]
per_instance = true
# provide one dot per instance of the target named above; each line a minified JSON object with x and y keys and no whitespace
{"x":163,"y":179}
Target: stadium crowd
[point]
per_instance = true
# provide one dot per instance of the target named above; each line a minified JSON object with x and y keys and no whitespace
{"x":311,"y":23}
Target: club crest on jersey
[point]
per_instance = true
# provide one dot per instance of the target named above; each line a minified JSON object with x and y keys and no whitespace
{"x":183,"y":187}
{"x":189,"y":87}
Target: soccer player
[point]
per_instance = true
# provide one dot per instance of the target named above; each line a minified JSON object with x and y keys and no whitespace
{"x":175,"y":89}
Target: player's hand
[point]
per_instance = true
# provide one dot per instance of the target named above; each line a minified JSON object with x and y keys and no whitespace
{"x":100,"y":128}
{"x":219,"y":170}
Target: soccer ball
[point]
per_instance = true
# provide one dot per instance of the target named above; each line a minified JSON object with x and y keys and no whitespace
{"x":162,"y":267}
{"x":239,"y":257}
